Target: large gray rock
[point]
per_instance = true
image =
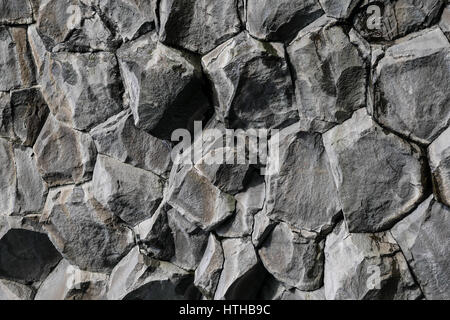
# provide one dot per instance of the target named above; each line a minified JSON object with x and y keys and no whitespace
{"x":118,"y":138}
{"x":295,"y":258}
{"x":411,"y":94}
{"x":10,"y":290}
{"x":242,"y":273}
{"x":331,"y":75}
{"x":8,"y":181}
{"x":390,"y":19}
{"x":64,"y":155}
{"x":84,"y":232}
{"x":138,"y":277}
{"x":280,"y":20}
{"x":439,"y":158}
{"x":207,"y":274}
{"x":380,"y":177}
{"x":198,"y":26}
{"x":130,"y":193}
{"x":26,"y":256}
{"x":6,"y":122}
{"x":366,"y":267}
{"x":339,"y":9}
{"x":444,"y":24}
{"x":198,"y":200}
{"x":67,"y":282}
{"x":302,"y":192}
{"x":16,"y":12}
{"x":16,"y":66}
{"x":164,"y":86}
{"x":424,"y":238}
{"x":252,"y":84}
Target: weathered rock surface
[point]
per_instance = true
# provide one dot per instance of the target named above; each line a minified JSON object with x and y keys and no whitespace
{"x":64,"y":155}
{"x":84,"y":232}
{"x":164,"y":86}
{"x":274,"y":290}
{"x":330,"y":76}
{"x":424,"y":238}
{"x":130,"y":193}
{"x":8,"y":180}
{"x":260,"y":94}
{"x":262,"y":227}
{"x":444,"y":24}
{"x":439,"y":157}
{"x":280,"y":20}
{"x":419,"y":107}
{"x":198,"y":26}
{"x":16,"y":12}
{"x":339,"y":9}
{"x":380,"y":177}
{"x":388,"y":20}
{"x":10,"y":290}
{"x":366,"y":266}
{"x":138,"y":277}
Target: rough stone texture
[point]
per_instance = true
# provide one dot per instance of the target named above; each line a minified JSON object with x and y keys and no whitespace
{"x":251,"y":83}
{"x":380,"y":177}
{"x":366,"y":266}
{"x":419,"y":108}
{"x":121,"y":176}
{"x":424,"y":238}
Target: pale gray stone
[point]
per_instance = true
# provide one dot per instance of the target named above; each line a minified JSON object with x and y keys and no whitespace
{"x":439,"y":159}
{"x":274,"y":290}
{"x":251,"y":83}
{"x":424,"y":238}
{"x":10,"y":290}
{"x":366,"y":267}
{"x":339,"y":9}
{"x":8,"y":180}
{"x":380,"y":177}
{"x":444,"y":24}
{"x":262,"y":227}
{"x":16,"y":12}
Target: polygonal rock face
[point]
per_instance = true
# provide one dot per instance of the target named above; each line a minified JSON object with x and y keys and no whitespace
{"x":390,"y":19}
{"x":164,"y":86}
{"x":280,"y":20}
{"x":302,"y":193}
{"x":252,"y":84}
{"x":82,"y":90}
{"x":130,"y":193}
{"x":10,"y":290}
{"x":424,"y":238}
{"x":379,"y":177}
{"x":64,"y":155}
{"x":198,"y":200}
{"x":242,"y":273}
{"x":339,"y":9}
{"x":366,"y":267}
{"x":444,"y":24}
{"x":16,"y":12}
{"x":419,"y":107}
{"x":83,"y":231}
{"x":67,"y":282}
{"x":330,"y":76}
{"x":198,"y":26}
{"x":7,"y":178}
{"x":294,"y":258}
{"x":439,"y":157}
{"x":26,"y":256}
{"x":137,"y":277}
{"x":16,"y":65}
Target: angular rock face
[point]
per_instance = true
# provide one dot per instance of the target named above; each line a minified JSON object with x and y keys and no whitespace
{"x":339,"y":9}
{"x":330,"y":76}
{"x":198,"y":26}
{"x":7,"y":178}
{"x":294,"y":258}
{"x":16,"y":12}
{"x":84,"y":232}
{"x":260,"y":94}
{"x":64,"y":155}
{"x":424,"y":239}
{"x":419,"y":107}
{"x":280,"y":20}
{"x":439,"y":157}
{"x":10,"y":290}
{"x":164,"y":86}
{"x":380,"y":177}
{"x":444,"y":24}
{"x":388,"y":20}
{"x":366,"y":266}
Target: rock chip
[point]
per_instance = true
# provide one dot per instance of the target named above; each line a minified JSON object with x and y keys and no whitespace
{"x":198,"y":26}
{"x":64,"y":155}
{"x":331,"y":75}
{"x":366,"y":267}
{"x":84,"y":232}
{"x":164,"y":86}
{"x":380,"y":177}
{"x":424,"y":238}
{"x":410,"y":85}
{"x":439,"y":159}
{"x":280,"y":20}
{"x":252,"y":84}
